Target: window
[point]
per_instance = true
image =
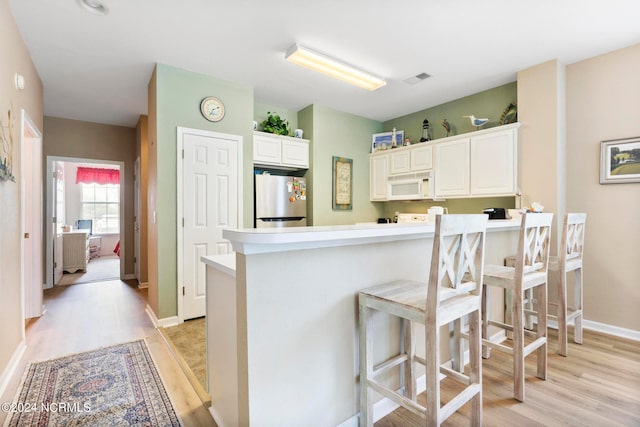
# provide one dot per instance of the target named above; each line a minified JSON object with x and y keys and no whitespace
{"x":101,"y":203}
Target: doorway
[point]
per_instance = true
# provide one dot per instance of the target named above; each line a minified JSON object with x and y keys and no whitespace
{"x":84,"y":237}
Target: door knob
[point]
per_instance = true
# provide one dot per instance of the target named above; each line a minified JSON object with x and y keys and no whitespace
{"x":26,"y":235}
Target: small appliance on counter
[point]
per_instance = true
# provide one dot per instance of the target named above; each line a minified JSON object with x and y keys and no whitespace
{"x":407,"y":218}
{"x":280,"y":201}
{"x":495,"y":213}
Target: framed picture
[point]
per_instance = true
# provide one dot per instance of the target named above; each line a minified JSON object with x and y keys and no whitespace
{"x":382,"y":141}
{"x":342,"y":183}
{"x":620,"y":161}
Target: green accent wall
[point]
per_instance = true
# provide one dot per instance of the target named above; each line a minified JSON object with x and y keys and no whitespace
{"x":335,"y":133}
{"x":489,"y":103}
{"x":179,"y":93}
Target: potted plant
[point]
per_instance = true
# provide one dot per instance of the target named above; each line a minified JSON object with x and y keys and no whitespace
{"x":275,"y":124}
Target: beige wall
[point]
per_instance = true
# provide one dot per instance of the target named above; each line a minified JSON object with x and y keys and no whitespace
{"x":603,"y":103}
{"x":142,"y":152}
{"x":93,"y":141}
{"x":15,"y":59}
{"x":541,"y":136}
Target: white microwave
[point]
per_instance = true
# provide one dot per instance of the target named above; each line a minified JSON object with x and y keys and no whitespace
{"x":416,"y":186}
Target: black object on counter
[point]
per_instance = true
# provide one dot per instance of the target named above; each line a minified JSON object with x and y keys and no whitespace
{"x":384,"y":220}
{"x":495,"y":213}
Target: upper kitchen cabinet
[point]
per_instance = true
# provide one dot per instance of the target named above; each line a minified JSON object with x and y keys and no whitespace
{"x":493,"y":163}
{"x":478,"y":164}
{"x":414,"y":158}
{"x":378,"y":175}
{"x":452,"y":168}
{"x":280,"y":151}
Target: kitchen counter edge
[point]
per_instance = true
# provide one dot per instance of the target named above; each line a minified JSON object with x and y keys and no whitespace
{"x":254,"y":241}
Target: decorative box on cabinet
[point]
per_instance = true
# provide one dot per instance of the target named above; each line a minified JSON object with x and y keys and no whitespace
{"x":280,"y":151}
{"x":75,"y":251}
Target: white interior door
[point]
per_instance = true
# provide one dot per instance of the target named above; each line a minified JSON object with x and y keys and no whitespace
{"x":59,"y":214}
{"x":32,"y":246}
{"x":209,"y":205}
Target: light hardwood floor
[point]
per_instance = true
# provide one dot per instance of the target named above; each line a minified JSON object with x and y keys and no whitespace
{"x":597,"y":385}
{"x":92,"y":315}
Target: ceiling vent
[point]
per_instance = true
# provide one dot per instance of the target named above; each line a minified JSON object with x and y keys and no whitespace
{"x":417,"y":78}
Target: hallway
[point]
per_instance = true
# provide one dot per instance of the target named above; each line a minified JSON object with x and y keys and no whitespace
{"x":86,"y":316}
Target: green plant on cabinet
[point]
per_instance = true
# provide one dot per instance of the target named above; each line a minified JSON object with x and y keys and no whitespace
{"x":275,"y":124}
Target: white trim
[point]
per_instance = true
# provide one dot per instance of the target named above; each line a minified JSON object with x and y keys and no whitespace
{"x":611,"y":330}
{"x":218,"y":419}
{"x":30,"y":296}
{"x":180,"y":132}
{"x":161,"y":323}
{"x":143,"y":285}
{"x":8,"y":372}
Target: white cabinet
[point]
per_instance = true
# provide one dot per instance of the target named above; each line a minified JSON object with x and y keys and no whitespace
{"x":378,"y":175}
{"x":452,"y":168}
{"x":75,"y":251}
{"x":295,"y":153}
{"x":478,"y":164}
{"x":277,"y":150}
{"x":415,"y":158}
{"x":421,"y":158}
{"x":493,"y":164}
{"x":399,"y":162}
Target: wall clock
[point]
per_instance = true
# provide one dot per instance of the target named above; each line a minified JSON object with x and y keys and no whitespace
{"x":212,"y":109}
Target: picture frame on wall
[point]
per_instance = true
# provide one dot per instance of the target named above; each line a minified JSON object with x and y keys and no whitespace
{"x":382,"y":141}
{"x":342,"y":183}
{"x":620,"y":161}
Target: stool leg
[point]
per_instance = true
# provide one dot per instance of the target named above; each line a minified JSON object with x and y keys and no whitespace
{"x":486,"y":350}
{"x":432,"y":343}
{"x":475,"y":366}
{"x":562,"y":312}
{"x":518,"y":345}
{"x":577,"y":330}
{"x":410,"y":388}
{"x":366,"y":366}
{"x":541,"y":352}
{"x":457,"y":350}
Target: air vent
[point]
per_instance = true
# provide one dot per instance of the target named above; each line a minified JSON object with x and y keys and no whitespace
{"x":417,"y":78}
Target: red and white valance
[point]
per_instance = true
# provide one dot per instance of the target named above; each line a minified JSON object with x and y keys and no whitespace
{"x":86,"y":175}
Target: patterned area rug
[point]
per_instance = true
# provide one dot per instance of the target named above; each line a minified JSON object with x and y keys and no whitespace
{"x":111,"y":386}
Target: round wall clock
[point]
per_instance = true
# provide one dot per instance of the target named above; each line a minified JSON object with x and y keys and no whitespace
{"x":212,"y":109}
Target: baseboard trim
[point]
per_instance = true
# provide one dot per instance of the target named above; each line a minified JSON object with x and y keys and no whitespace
{"x":143,"y":285}
{"x":385,"y":406}
{"x":129,"y":276}
{"x":161,"y":323}
{"x":611,"y":330}
{"x":11,"y":366}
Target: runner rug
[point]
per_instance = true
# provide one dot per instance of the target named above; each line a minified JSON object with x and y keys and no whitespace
{"x":112,"y":386}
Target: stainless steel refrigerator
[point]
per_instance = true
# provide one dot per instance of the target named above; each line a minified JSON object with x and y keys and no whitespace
{"x":280,"y":201}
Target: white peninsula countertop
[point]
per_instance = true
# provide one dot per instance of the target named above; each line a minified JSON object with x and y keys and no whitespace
{"x":282,"y":316}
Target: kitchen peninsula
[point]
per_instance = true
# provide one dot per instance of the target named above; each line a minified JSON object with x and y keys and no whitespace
{"x":282,"y":316}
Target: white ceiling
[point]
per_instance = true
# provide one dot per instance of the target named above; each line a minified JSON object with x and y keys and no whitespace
{"x":96,"y":68}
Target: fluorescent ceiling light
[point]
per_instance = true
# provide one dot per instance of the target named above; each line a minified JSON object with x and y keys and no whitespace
{"x":318,"y":62}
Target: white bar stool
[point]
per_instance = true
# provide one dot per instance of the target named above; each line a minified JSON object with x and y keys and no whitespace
{"x":530,"y":271}
{"x":569,"y":260}
{"x":453,"y":292}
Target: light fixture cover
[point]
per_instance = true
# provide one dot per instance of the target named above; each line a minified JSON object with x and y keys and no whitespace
{"x":324,"y":64}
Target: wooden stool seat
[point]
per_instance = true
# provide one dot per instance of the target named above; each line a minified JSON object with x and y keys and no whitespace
{"x":451,"y":294}
{"x":530,"y":271}
{"x":569,"y":261}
